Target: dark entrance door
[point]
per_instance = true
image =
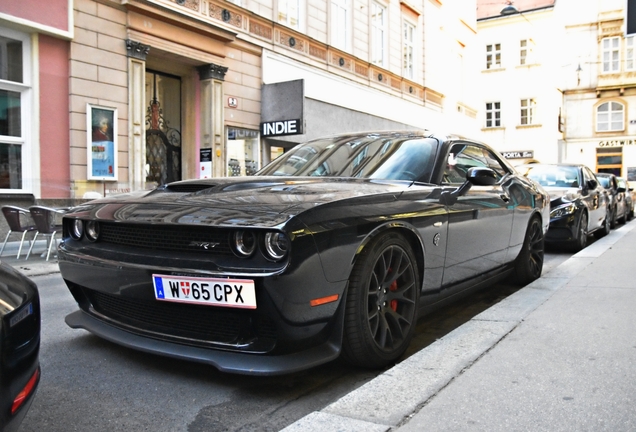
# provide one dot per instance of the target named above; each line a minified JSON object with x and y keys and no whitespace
{"x":163,"y":128}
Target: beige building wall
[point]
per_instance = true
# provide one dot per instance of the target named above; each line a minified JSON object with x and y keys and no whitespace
{"x":98,"y":75}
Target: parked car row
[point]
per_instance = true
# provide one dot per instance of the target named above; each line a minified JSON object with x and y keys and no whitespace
{"x":582,"y":202}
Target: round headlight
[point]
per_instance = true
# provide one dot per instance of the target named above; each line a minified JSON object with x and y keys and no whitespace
{"x":276,"y":245}
{"x":244,"y":243}
{"x":92,"y":230}
{"x":77,"y":229}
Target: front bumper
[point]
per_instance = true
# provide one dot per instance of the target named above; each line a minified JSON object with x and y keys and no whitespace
{"x":225,"y":361}
{"x":284,"y":334}
{"x":562,"y":230}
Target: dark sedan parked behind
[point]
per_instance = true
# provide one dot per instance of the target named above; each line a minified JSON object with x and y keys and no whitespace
{"x":19,"y":346}
{"x":629,"y":197}
{"x":579,"y":205}
{"x":619,"y":209}
{"x":334,"y":248}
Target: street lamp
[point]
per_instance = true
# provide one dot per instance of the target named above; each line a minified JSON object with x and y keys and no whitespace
{"x":509,"y":9}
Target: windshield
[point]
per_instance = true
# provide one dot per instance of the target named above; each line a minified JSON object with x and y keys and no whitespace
{"x":553,"y":175}
{"x":604,"y":181}
{"x":373,"y":156}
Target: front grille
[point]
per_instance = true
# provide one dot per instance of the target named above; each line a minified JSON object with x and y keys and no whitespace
{"x":203,"y":324}
{"x":182,"y":238}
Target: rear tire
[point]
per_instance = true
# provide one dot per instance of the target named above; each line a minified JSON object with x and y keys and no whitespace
{"x":382,"y":302}
{"x":529,"y":263}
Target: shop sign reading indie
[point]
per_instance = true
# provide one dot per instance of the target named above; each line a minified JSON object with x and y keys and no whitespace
{"x":281,"y":127}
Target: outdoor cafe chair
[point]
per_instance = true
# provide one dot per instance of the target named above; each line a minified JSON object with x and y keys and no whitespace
{"x":48,"y":223}
{"x":19,"y":221}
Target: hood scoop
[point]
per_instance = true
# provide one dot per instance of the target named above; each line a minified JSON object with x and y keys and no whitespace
{"x":187,"y":187}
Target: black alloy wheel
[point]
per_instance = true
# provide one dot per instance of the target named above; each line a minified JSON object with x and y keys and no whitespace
{"x":529,"y":263}
{"x":580,"y":241}
{"x":381,"y":305}
{"x":623,"y":218}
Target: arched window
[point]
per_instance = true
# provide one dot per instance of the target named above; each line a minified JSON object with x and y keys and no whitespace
{"x":610,"y":116}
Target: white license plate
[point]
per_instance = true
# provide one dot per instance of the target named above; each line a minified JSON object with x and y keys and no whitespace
{"x":236,"y":293}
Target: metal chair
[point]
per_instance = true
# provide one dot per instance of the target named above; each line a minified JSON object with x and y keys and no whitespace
{"x":19,"y":221}
{"x":48,"y":223}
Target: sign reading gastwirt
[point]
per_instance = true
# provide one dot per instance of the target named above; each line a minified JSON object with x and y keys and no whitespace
{"x":617,"y":142}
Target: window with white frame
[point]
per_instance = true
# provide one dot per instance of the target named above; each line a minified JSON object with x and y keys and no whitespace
{"x":15,"y":102}
{"x":340,"y":24}
{"x":289,"y":13}
{"x":493,"y":56}
{"x":630,"y":62}
{"x":528,"y":107}
{"x":610,"y":116}
{"x":408,"y":50}
{"x":526,"y":51}
{"x":493,"y":114}
{"x":378,"y":34}
{"x":611,"y":54}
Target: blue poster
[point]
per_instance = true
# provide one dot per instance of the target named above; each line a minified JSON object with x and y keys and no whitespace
{"x":102,"y":145}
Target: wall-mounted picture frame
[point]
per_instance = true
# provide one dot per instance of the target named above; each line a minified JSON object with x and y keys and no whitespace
{"x":101,"y":133}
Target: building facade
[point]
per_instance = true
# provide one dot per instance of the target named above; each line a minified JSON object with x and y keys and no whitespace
{"x":599,"y":87}
{"x":559,"y":82}
{"x":143,"y":92}
{"x":521,"y":100}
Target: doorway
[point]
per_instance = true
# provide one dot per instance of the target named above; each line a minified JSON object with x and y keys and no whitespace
{"x":163,"y":127}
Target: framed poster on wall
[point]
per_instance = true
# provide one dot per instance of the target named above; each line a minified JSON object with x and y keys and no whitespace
{"x":101,"y":127}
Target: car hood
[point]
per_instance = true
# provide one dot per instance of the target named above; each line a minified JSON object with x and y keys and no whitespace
{"x":560,"y":195}
{"x":247,"y":201}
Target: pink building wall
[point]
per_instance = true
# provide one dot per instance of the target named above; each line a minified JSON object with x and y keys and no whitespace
{"x":54,"y":118}
{"x":53,"y":13}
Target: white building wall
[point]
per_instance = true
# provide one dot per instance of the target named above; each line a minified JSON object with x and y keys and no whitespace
{"x":508,"y":84}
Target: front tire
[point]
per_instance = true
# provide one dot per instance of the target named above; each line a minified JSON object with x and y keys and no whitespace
{"x":581,"y":234}
{"x":613,"y":222}
{"x":605,"y":230}
{"x":381,"y":305}
{"x":529,"y":263}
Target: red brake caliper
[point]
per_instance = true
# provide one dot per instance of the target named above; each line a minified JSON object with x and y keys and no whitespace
{"x":394,"y":303}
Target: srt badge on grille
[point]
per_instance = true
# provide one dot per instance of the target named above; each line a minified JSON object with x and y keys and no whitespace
{"x":203,"y":245}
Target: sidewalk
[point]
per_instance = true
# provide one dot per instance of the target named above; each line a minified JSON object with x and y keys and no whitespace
{"x":36,"y":265}
{"x":558,"y":355}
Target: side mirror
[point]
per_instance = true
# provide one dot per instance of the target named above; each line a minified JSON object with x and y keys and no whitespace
{"x":481,"y":176}
{"x":621,"y":189}
{"x":592,"y":184}
{"x":478,"y":176}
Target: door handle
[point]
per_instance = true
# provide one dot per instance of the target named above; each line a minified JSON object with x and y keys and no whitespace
{"x":504,"y":197}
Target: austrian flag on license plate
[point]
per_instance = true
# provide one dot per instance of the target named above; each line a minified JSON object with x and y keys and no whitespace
{"x":237,"y":293}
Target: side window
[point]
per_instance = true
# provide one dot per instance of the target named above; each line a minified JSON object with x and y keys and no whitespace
{"x":495,"y":164}
{"x":464,"y":156}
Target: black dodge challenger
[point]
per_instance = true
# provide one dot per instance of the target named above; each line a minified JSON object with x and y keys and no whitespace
{"x":333,"y":249}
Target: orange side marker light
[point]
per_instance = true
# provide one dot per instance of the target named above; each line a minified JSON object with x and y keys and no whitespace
{"x":324,"y":300}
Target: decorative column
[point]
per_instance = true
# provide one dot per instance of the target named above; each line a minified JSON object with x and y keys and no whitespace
{"x":212,"y":119}
{"x":137,"y":53}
